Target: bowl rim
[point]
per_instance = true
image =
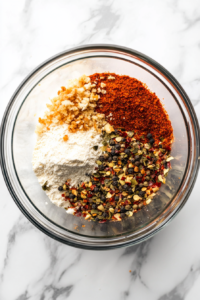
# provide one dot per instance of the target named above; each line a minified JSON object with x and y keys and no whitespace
{"x":99,"y":47}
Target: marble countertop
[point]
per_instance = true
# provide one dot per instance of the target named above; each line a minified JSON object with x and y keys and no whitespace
{"x":34,"y":266}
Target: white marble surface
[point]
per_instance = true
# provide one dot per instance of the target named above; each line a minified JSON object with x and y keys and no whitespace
{"x":35,"y":267}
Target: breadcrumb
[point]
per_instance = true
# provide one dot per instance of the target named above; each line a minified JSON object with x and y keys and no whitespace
{"x":75,"y":106}
{"x":65,"y":138}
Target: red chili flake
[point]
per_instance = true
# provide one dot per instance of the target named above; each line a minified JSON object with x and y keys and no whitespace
{"x":169,"y":165}
{"x":89,"y":195}
{"x":127,"y":145}
{"x":168,"y":148}
{"x":92,"y":187}
{"x":78,"y":214}
{"x":102,"y":179}
{"x":63,"y":195}
{"x":86,"y":206}
{"x":85,"y":200}
{"x":123,"y":178}
{"x":82,"y":184}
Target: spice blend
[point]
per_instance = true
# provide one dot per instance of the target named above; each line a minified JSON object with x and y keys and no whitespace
{"x":136,"y":152}
{"x":128,"y":175}
{"x":130,"y":105}
{"x":136,"y":134}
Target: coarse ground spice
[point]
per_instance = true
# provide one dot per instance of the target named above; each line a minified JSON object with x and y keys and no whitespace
{"x":130,"y":105}
{"x":127,"y":176}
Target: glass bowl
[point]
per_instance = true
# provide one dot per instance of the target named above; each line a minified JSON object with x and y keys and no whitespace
{"x":18,"y":139}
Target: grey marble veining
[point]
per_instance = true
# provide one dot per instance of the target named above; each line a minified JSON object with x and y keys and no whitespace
{"x":35,"y":267}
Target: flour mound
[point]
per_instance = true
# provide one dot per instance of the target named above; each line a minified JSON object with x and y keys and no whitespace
{"x":55,"y":161}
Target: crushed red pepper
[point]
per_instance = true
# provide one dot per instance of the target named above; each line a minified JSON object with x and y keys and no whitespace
{"x":129,"y":104}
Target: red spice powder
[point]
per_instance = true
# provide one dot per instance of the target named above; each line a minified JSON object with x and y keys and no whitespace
{"x":130,"y":105}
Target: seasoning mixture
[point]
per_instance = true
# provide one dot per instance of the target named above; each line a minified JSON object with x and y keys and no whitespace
{"x":130,"y":105}
{"x":128,"y":134}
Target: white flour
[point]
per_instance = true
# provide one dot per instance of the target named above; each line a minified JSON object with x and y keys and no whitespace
{"x":55,"y":161}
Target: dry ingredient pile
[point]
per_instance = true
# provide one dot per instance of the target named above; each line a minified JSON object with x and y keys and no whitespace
{"x":66,"y":137}
{"x":103,"y":147}
{"x":129,"y":104}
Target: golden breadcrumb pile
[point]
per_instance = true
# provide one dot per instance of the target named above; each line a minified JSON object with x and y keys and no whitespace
{"x":74,"y":106}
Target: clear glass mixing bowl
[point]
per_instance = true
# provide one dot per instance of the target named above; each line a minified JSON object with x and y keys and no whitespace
{"x":18,"y":140}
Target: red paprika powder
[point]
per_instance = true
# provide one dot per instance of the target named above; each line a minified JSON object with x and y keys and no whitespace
{"x":129,"y":104}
